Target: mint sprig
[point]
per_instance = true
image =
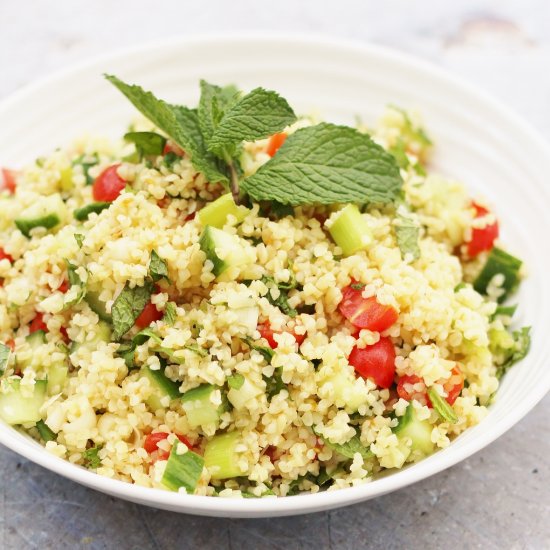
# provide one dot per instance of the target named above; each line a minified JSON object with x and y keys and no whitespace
{"x":322,"y":164}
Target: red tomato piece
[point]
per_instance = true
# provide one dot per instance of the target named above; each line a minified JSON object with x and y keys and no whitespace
{"x":482,"y":238}
{"x":409,"y":394}
{"x":275,"y":142}
{"x":454,"y":385}
{"x":190,"y":217}
{"x":5,"y":256}
{"x":38,"y":324}
{"x":376,"y":362}
{"x":64,"y":334}
{"x":267,"y":332}
{"x":11,"y":344}
{"x":149,"y":314}
{"x":152,"y":440}
{"x":171,"y":147}
{"x":8,"y":178}
{"x":366,"y":312}
{"x":108,"y":185}
{"x":64,"y":286}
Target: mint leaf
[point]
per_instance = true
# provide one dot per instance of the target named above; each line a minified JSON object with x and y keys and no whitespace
{"x":87,"y":162}
{"x":327,"y":164}
{"x":179,"y":123}
{"x":257,"y":115}
{"x":407,"y":233}
{"x":79,"y":238}
{"x":213,"y":104}
{"x":282,"y":300}
{"x":91,"y":457}
{"x":349,"y":448}
{"x":442,"y":407}
{"x":74,"y":280}
{"x":5,"y":352}
{"x":157,"y":267}
{"x":274,"y":384}
{"x":266,"y":351}
{"x":522,"y":344}
{"x":235,"y":381}
{"x":128,"y":306}
{"x":170,"y":314}
{"x":147,"y":143}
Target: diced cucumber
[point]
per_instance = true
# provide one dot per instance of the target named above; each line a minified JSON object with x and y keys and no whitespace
{"x":17,"y":408}
{"x":347,"y":394}
{"x":98,"y":306}
{"x":499,"y":262}
{"x":182,"y":470}
{"x":199,"y":408}
{"x":215,"y":213}
{"x":164,"y":389}
{"x":243,"y":396}
{"x":82,"y":214}
{"x":350,"y":230}
{"x":48,"y":212}
{"x":103,"y":333}
{"x":30,"y":359}
{"x":222,"y":249}
{"x":419,"y":431}
{"x":66,"y":178}
{"x":220,"y":456}
{"x":57,"y":376}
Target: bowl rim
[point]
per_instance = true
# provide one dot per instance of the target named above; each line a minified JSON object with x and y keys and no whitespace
{"x":305,"y":503}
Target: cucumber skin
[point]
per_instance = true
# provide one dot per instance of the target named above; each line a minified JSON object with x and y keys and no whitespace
{"x":25,"y":226}
{"x":418,"y":430}
{"x":207,"y":413}
{"x":97,"y":306}
{"x":82,"y":214}
{"x":215,"y":213}
{"x":182,"y":470}
{"x":162,"y":386}
{"x":208,"y":246}
{"x":220,"y":457}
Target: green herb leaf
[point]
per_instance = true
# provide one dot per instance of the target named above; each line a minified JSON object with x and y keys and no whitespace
{"x":505,"y":311}
{"x":158,"y":269}
{"x":82,"y":214}
{"x":147,"y":143}
{"x":213,"y":104}
{"x":87,"y":161}
{"x":522,"y":344}
{"x":45,"y":433}
{"x":128,"y":306}
{"x":74,"y":280}
{"x":499,"y":262}
{"x":274,"y":384}
{"x":79,"y":238}
{"x":179,"y":123}
{"x":91,"y":457}
{"x":170,"y":314}
{"x":282,"y":300}
{"x":278,"y":210}
{"x":349,"y":448}
{"x":327,"y":164}
{"x":195,"y":348}
{"x":407,"y":232}
{"x":442,"y":407}
{"x":5,"y":352}
{"x":266,"y":351}
{"x":235,"y":381}
{"x":256,"y":115}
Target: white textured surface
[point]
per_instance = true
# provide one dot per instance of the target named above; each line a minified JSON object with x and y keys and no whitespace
{"x":499,"y":45}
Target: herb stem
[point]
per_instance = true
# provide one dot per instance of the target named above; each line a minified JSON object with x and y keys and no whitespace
{"x":234,"y":183}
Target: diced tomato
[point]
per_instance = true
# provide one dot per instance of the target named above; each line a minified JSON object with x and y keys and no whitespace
{"x":270,"y":452}
{"x":149,"y":314}
{"x":190,"y":217}
{"x":406,"y":392}
{"x":11,"y":344}
{"x":275,"y":142}
{"x":376,"y":362}
{"x":5,"y":256}
{"x":38,"y":324}
{"x":365,"y":312}
{"x":64,"y":286}
{"x":482,"y":238}
{"x":171,"y":147}
{"x":152,"y":440}
{"x":108,"y":185}
{"x":454,"y":385}
{"x":267,"y":332}
{"x":8,"y":179}
{"x":64,"y":334}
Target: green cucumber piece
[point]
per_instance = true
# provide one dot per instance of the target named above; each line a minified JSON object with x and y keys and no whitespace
{"x":16,"y":408}
{"x":215,"y":213}
{"x":350,"y":230}
{"x":34,"y":340}
{"x":220,"y":456}
{"x":82,"y":214}
{"x":48,"y":212}
{"x":419,"y":431}
{"x":222,"y":249}
{"x":499,"y":262}
{"x":45,"y":433}
{"x":199,"y":409}
{"x":103,"y":333}
{"x":162,"y":387}
{"x":57,"y":376}
{"x":182,"y":470}
{"x":98,"y":306}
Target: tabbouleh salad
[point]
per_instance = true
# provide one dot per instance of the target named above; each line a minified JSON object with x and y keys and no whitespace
{"x":233,"y":301}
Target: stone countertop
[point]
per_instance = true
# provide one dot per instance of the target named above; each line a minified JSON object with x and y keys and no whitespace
{"x":500,"y":497}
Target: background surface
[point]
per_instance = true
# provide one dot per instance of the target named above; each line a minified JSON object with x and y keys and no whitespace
{"x":499,"y":498}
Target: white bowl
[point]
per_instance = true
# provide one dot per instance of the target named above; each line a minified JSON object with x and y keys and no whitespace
{"x":477,"y":140}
